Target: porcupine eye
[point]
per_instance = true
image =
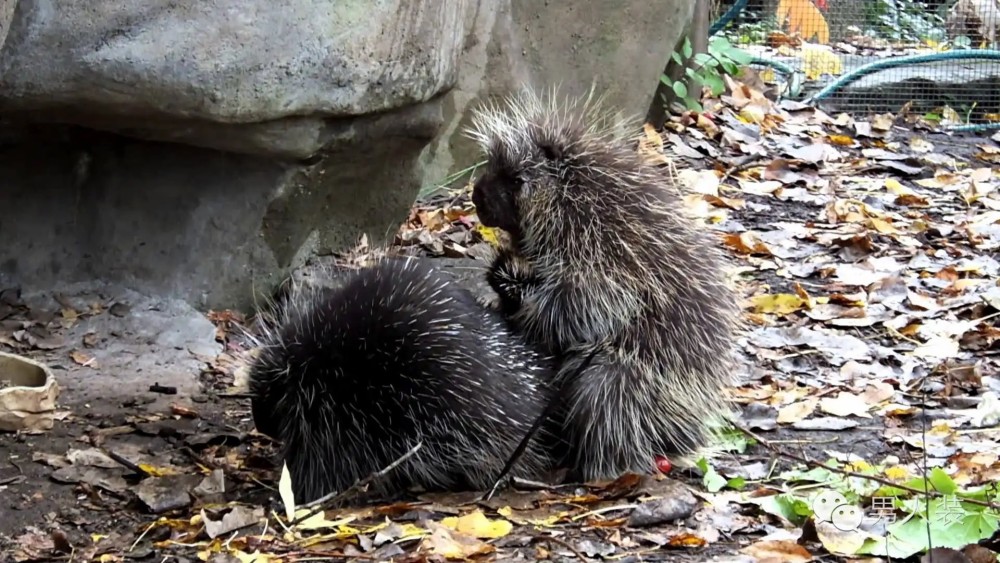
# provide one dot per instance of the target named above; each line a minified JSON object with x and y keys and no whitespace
{"x":549,"y":151}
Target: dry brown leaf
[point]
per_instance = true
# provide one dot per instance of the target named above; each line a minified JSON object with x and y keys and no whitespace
{"x":83,"y":359}
{"x":845,"y":404}
{"x":877,"y":392}
{"x":778,"y":551}
{"x":797,"y":411}
{"x":746,"y":243}
{"x":453,"y":544}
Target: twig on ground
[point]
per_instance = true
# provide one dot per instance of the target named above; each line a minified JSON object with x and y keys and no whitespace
{"x":235,"y":396}
{"x":745,"y":164}
{"x":847,"y":473}
{"x":163,"y":389}
{"x":186,"y":450}
{"x":333,"y":498}
{"x":563,"y":543}
{"x":126,"y":463}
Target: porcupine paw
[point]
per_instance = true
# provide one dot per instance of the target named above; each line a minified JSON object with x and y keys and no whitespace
{"x":510,"y":276}
{"x":490,"y":301}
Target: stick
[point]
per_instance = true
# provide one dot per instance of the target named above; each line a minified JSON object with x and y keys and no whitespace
{"x":546,"y":413}
{"x":563,"y":543}
{"x":333,"y":498}
{"x":128,"y":464}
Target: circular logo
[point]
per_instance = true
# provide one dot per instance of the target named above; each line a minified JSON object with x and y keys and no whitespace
{"x":846,"y":517}
{"x":825,"y":503}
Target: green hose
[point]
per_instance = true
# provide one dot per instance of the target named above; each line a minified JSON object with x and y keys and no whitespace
{"x":795,"y":78}
{"x":875,"y":66}
{"x":892,"y":62}
{"x":795,"y":87}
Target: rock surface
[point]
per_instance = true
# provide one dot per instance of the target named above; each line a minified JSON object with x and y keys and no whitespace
{"x":617,"y":47}
{"x":253,"y":76}
{"x":201,"y":150}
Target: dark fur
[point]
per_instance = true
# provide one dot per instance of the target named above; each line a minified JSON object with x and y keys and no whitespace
{"x":353,"y":378}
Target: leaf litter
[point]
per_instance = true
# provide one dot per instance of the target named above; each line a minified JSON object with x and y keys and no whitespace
{"x":865,"y":253}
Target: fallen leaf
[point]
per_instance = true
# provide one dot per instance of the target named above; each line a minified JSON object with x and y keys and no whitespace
{"x":845,"y":404}
{"x":779,"y":303}
{"x":286,"y":493}
{"x":476,"y":524}
{"x":774,"y":551}
{"x":452,"y":544}
{"x":84,"y":359}
{"x":797,"y":411}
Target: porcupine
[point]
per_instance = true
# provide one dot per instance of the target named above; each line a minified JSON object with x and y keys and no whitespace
{"x":602,"y":254}
{"x":351,"y":377}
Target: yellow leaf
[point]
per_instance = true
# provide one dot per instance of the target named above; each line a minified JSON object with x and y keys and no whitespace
{"x":478,"y":525}
{"x":895,"y":187}
{"x":156,"y":471}
{"x":858,"y":465}
{"x":318,"y":520}
{"x":546,"y":521}
{"x":803,"y":18}
{"x":883,"y":226}
{"x":778,"y":303}
{"x":489,"y":235}
{"x":897,"y":473}
{"x":842,"y":140}
{"x":410,"y":531}
{"x":817,"y":61}
{"x":652,"y":136}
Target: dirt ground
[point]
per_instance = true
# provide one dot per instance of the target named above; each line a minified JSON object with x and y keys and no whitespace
{"x":111,"y":408}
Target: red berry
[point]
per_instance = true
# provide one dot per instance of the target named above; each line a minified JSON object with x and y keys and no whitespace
{"x":663,"y":464}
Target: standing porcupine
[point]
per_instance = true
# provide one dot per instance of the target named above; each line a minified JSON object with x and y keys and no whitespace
{"x":603,"y":254}
{"x":352,"y":377}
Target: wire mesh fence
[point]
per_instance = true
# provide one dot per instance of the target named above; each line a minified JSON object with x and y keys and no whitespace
{"x":937,"y":58}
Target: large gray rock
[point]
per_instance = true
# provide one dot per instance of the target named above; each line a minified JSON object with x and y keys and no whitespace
{"x":251,"y":76}
{"x":317,"y":112}
{"x":618,"y":47}
{"x":201,"y":149}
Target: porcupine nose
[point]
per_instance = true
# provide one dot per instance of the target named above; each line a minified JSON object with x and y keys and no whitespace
{"x":477,"y":201}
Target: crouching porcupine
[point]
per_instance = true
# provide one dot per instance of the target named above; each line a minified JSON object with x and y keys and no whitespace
{"x":602,"y":254}
{"x":352,"y":378}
